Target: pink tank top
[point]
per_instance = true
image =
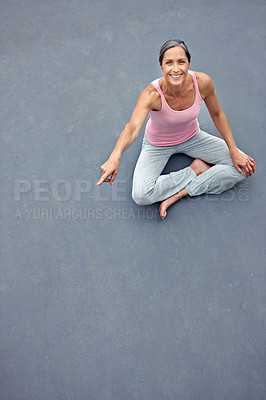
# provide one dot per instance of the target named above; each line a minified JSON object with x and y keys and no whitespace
{"x":168,"y":127}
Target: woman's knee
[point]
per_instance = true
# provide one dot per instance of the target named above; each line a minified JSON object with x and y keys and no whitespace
{"x":139,"y":195}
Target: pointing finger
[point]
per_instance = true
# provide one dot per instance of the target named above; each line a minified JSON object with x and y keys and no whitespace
{"x":103,"y":179}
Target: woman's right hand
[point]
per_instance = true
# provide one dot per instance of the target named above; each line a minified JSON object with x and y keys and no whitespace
{"x":110,"y":167}
{"x":146,"y":102}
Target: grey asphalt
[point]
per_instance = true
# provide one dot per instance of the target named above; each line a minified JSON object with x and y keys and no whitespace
{"x":99,"y":298}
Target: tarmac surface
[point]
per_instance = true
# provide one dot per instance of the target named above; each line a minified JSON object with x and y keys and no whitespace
{"x":99,"y":298}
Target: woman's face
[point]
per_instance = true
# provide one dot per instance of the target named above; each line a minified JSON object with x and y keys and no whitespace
{"x":175,"y":65}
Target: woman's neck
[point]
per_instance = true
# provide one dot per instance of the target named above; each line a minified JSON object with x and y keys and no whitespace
{"x":174,"y":90}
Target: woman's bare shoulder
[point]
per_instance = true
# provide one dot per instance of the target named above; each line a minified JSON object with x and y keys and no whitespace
{"x":150,"y":96}
{"x":205,"y":83}
{"x":151,"y":91}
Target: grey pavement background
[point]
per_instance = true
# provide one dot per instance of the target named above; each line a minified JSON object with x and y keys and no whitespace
{"x":100,"y":299}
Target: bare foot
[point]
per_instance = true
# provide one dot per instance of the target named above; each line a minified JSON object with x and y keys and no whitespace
{"x":199,"y":167}
{"x":168,"y":202}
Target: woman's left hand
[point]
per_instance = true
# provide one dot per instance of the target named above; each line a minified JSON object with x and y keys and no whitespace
{"x":242,"y":160}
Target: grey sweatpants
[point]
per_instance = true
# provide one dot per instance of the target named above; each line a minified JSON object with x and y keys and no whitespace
{"x":149,"y":186}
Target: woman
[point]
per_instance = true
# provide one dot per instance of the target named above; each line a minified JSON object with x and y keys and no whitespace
{"x":173,"y":103}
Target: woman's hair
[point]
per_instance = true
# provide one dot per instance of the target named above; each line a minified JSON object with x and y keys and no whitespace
{"x":173,"y":43}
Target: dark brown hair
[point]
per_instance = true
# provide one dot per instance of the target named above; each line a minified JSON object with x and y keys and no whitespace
{"x":173,"y":43}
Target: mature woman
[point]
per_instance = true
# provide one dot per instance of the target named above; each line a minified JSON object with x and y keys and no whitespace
{"x":173,"y":103}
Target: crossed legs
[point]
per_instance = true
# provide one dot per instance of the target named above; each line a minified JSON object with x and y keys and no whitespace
{"x":149,"y":186}
{"x":198,"y":167}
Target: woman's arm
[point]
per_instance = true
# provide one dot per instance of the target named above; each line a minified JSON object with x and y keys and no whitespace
{"x":239,"y":158}
{"x":129,"y":134}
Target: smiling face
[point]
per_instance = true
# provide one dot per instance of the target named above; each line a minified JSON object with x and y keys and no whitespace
{"x":175,"y":65}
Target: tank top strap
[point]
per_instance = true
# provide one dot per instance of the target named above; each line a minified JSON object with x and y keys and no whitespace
{"x":196,"y":86}
{"x":156,"y":84}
